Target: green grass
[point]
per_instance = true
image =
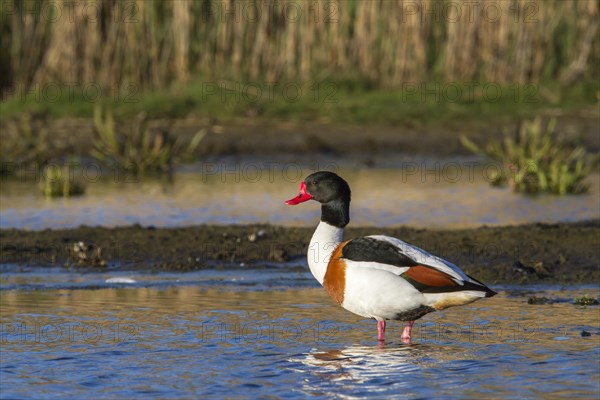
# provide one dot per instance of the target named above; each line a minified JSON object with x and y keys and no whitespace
{"x":59,"y":181}
{"x":538,"y":159}
{"x":138,"y":148}
{"x":585,"y":300}
{"x":330,"y":102}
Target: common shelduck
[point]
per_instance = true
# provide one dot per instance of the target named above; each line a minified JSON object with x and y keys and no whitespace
{"x":378,"y":277}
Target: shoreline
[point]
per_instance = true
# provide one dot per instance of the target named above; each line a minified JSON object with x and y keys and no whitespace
{"x":71,"y":136}
{"x":559,"y":253}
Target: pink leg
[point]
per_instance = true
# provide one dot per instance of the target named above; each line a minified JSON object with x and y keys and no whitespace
{"x":406,"y":332}
{"x":381,"y":330}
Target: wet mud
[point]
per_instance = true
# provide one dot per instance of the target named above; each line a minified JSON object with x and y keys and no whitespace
{"x":561,"y":253}
{"x":250,"y":136}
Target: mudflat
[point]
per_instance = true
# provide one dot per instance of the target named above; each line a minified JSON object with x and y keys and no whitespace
{"x":561,"y":253}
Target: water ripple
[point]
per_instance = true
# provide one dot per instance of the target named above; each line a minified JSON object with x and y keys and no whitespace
{"x":201,"y":341}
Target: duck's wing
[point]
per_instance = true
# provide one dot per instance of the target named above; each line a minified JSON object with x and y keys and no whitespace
{"x":426,"y":272}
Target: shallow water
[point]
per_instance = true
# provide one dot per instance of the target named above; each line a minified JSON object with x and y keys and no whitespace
{"x":273,"y":332}
{"x":432,"y":194}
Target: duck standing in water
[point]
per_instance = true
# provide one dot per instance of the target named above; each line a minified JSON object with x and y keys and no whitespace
{"x":378,"y":276}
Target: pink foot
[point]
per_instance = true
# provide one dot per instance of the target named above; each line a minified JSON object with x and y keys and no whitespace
{"x":381,"y":331}
{"x":406,"y":332}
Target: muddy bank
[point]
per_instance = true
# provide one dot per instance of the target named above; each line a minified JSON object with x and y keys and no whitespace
{"x":65,"y":137}
{"x":535,"y":253}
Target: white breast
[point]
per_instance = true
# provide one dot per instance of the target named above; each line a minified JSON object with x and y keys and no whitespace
{"x":324,"y":241}
{"x":375,"y":292}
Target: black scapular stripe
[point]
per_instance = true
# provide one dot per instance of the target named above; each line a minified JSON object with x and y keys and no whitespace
{"x":370,"y":249}
{"x":478,"y":286}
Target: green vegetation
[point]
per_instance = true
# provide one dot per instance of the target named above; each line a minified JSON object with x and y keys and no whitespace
{"x":338,"y":61}
{"x":140,"y":148}
{"x":22,"y":146}
{"x":427,"y":104}
{"x":586,"y":301}
{"x":580,"y":301}
{"x":540,"y":300}
{"x":60,"y":181}
{"x":358,"y":62}
{"x":537,"y":160}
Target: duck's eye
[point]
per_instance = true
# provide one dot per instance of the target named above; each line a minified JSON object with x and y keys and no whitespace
{"x":314,"y":182}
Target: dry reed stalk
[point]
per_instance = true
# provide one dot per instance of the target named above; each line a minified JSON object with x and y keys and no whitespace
{"x":339,"y":32}
{"x":419,"y":45}
{"x":588,"y":28}
{"x":524,"y":48}
{"x":91,"y":50}
{"x":181,"y":25}
{"x":305,"y":43}
{"x":60,"y":59}
{"x":499,"y":60}
{"x":290,"y":48}
{"x":377,"y":41}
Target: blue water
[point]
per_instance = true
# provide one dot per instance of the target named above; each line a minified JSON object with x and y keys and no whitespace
{"x":274,"y":333}
{"x":423,"y":197}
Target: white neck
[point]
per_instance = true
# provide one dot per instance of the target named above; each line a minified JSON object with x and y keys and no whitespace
{"x":323,"y":242}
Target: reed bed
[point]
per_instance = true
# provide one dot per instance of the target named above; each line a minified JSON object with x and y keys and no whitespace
{"x":381,"y":43}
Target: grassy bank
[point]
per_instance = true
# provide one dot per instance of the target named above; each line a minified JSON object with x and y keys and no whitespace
{"x":339,"y":61}
{"x":432,"y":66}
{"x":431,"y":103}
